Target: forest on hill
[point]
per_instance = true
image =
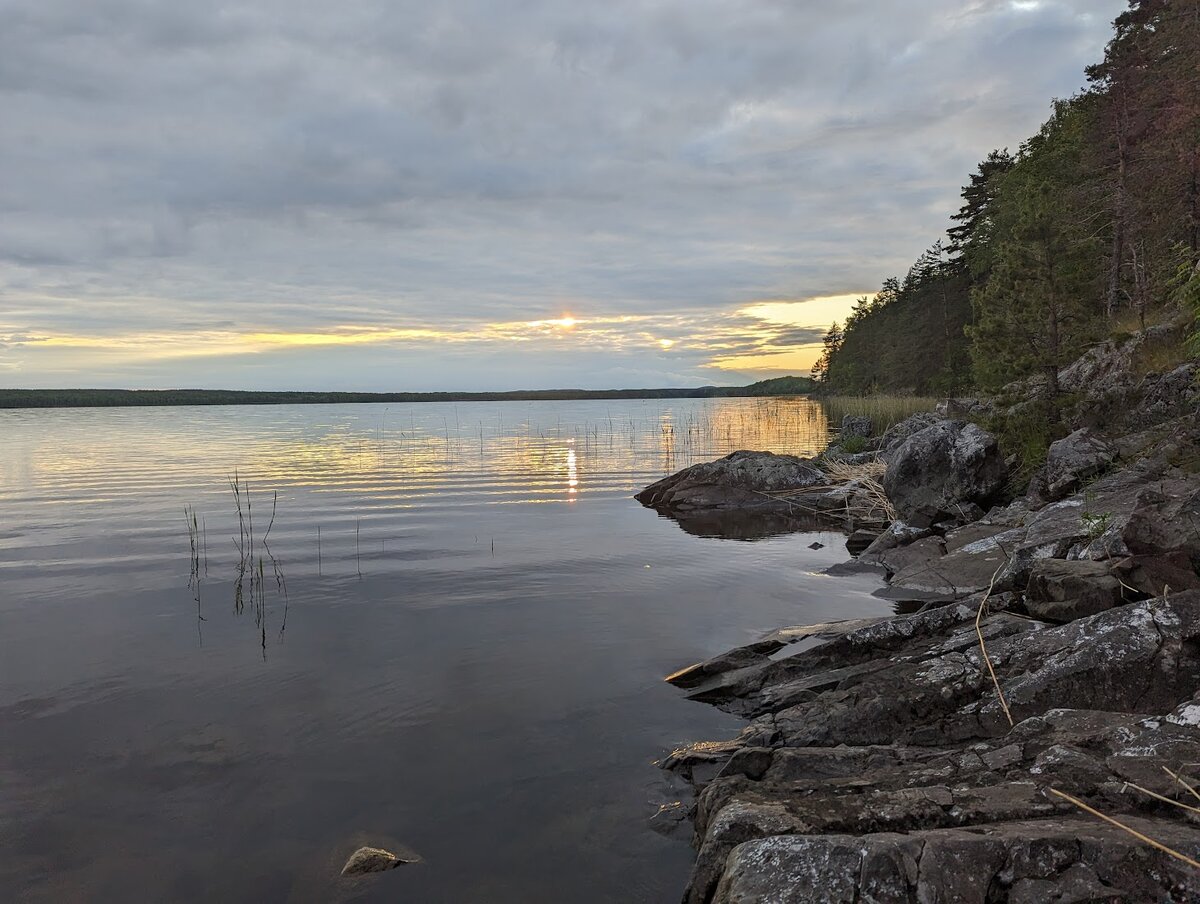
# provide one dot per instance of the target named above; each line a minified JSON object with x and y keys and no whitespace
{"x":1090,"y":229}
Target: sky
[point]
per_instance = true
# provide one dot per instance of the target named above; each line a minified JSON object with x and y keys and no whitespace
{"x":487,"y":194}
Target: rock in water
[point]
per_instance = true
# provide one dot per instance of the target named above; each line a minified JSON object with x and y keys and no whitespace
{"x":740,"y":480}
{"x":371,"y":860}
{"x":941,"y":469}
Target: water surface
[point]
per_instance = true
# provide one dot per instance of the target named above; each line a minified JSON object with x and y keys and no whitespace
{"x":467,"y":659}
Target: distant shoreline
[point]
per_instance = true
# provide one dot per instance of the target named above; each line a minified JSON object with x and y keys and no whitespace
{"x":135,"y":398}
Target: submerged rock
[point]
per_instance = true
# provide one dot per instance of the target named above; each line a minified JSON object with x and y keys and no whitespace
{"x":373,"y":860}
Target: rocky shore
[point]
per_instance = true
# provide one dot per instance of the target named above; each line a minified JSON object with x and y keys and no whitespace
{"x":1041,"y":690}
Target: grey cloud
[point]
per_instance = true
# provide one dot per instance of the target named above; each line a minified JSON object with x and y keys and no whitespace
{"x":301,"y":164}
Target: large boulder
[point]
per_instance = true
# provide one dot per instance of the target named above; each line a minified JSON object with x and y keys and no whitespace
{"x":942,"y":468}
{"x":1072,"y":460}
{"x":896,"y":434}
{"x":741,"y":480}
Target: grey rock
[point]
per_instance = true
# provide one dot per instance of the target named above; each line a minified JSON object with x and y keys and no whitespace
{"x":894,"y":727}
{"x":860,"y":540}
{"x":1021,"y":862}
{"x":1061,"y":591}
{"x":973,"y":556}
{"x":670,"y":818}
{"x":1165,"y":522}
{"x":741,"y":480}
{"x":917,"y":553}
{"x":942,"y":467}
{"x":1157,"y":575}
{"x":896,"y":434}
{"x":835,"y":453}
{"x":739,"y":658}
{"x":855,"y":425}
{"x":960,"y":409}
{"x":1072,"y":460}
{"x":895,"y":534}
{"x":1108,"y":365}
{"x":373,"y":860}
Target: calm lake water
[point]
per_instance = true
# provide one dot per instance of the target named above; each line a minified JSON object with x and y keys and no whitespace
{"x":467,"y":660}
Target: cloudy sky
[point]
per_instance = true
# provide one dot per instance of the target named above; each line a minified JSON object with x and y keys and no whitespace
{"x":479,"y":194}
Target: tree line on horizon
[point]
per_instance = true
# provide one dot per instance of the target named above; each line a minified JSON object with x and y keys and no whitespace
{"x":126,"y":398}
{"x":1091,"y":227}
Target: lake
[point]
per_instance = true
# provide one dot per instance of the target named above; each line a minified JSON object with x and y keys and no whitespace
{"x":456,"y":644}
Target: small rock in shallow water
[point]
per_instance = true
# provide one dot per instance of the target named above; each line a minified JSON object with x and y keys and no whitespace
{"x":372,"y":860}
{"x":816,"y":545}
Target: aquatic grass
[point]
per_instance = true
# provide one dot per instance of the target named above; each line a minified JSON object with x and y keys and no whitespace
{"x":253,"y":562}
{"x":883,"y":410}
{"x":193,"y":529}
{"x":235,"y":484}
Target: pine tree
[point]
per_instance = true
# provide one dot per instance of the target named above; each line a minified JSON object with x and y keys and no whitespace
{"x":1035,"y":311}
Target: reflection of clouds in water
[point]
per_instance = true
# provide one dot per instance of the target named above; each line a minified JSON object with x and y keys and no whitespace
{"x":401,"y":456}
{"x":125,"y":474}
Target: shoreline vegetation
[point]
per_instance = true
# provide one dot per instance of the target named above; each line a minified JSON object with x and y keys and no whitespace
{"x":128,"y":398}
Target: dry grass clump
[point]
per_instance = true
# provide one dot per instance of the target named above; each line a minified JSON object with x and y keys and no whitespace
{"x":842,"y":471}
{"x":867,"y":477}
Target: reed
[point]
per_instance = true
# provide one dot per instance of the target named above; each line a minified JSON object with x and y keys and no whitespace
{"x":235,"y":485}
{"x":883,"y":410}
{"x":194,"y":543}
{"x":252,"y":560}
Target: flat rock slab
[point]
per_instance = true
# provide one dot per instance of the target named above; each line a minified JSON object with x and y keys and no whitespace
{"x":1028,"y":861}
{"x":885,"y":755}
{"x":971,"y":557}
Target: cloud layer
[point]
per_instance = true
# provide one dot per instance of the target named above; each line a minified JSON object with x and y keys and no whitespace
{"x":386,"y":195}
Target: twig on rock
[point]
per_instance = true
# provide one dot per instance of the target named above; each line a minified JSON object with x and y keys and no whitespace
{"x":1124,"y":828}
{"x":983,"y":646}
{"x":1192,"y":791}
{"x":1163,"y":797}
